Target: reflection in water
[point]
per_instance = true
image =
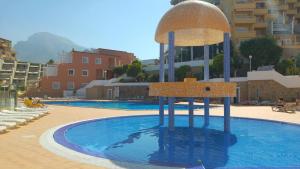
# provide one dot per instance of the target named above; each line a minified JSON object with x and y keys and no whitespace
{"x":185,"y":147}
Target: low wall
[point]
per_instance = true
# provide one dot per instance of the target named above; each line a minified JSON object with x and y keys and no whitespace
{"x":271,"y":90}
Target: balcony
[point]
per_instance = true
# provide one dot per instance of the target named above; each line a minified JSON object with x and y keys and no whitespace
{"x":291,"y":12}
{"x":260,"y":25}
{"x":297,"y":5}
{"x":297,"y":16}
{"x":21,"y":70}
{"x":240,"y":19}
{"x":261,"y":11}
{"x":244,"y":5}
{"x":249,"y":34}
{"x":283,"y":7}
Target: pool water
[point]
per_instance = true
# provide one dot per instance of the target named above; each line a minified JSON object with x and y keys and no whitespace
{"x":123,"y":105}
{"x":138,"y":139}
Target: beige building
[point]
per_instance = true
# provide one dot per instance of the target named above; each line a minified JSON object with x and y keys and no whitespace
{"x":257,"y":18}
{"x":6,"y":52}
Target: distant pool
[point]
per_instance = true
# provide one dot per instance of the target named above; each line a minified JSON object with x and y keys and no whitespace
{"x":121,"y":105}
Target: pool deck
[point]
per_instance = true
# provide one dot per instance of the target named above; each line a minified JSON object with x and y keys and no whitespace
{"x":20,"y":148}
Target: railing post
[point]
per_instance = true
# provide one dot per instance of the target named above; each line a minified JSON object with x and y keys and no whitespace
{"x":161,"y":79}
{"x":171,"y":77}
{"x":206,"y":79}
{"x":226,"y":79}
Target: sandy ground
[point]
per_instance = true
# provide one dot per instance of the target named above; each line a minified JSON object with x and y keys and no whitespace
{"x":20,"y":148}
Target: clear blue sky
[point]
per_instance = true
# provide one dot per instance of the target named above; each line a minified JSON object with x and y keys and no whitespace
{"x":116,"y":24}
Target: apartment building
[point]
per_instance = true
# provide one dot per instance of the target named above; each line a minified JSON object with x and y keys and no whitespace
{"x":78,"y":68}
{"x":258,"y":18}
{"x":6,"y":52}
{"x":20,"y":74}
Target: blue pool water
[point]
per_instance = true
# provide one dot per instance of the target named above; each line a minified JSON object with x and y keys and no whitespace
{"x":124,"y":105}
{"x":138,"y":139}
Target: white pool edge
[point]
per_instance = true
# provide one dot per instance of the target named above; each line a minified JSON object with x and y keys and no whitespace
{"x":47,"y":141}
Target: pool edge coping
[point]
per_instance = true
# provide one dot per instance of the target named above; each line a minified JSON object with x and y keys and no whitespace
{"x":48,"y":142}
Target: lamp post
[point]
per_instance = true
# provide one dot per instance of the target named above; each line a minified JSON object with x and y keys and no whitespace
{"x":250,"y":58}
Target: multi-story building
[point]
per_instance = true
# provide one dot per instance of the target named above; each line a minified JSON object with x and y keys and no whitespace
{"x":6,"y":52}
{"x":77,"y":69}
{"x":20,"y":74}
{"x":258,"y":18}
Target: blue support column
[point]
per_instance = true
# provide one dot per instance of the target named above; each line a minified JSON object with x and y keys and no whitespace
{"x":206,"y":78}
{"x":161,"y":79}
{"x":226,"y":79}
{"x":171,"y":77}
{"x":191,"y":112}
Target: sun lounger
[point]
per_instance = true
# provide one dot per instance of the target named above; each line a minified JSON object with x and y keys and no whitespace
{"x":3,"y":129}
{"x":282,"y":106}
{"x":9,"y":125}
{"x":34,"y":116}
{"x":18,"y":116}
{"x":32,"y":113}
{"x":16,"y":120}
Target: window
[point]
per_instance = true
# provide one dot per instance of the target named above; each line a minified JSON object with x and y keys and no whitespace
{"x":56,"y":85}
{"x":98,"y":61}
{"x":71,"y":72}
{"x":70,"y":86}
{"x":85,"y":72}
{"x":85,"y":60}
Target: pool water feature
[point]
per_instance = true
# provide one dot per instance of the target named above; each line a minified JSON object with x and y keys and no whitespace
{"x":121,"y":105}
{"x":138,"y":139}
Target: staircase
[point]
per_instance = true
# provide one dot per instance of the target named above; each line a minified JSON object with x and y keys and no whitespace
{"x":81,"y":93}
{"x":286,"y":81}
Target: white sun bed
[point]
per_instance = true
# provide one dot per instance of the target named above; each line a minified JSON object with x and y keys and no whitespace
{"x":17,"y":116}
{"x":20,"y":113}
{"x":3,"y":129}
{"x":16,"y":120}
{"x":35,"y":114}
{"x":9,"y":124}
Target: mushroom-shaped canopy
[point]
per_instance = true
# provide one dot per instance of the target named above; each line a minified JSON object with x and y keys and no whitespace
{"x":194,"y":22}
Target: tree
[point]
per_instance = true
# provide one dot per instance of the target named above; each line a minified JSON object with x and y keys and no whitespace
{"x":141,"y":77}
{"x":153,"y":78}
{"x":217,"y":65}
{"x":183,"y":72}
{"x":264,"y":50}
{"x":297,"y":60}
{"x":283,"y":66}
{"x":134,"y":69}
{"x":50,"y":62}
{"x":118,"y":71}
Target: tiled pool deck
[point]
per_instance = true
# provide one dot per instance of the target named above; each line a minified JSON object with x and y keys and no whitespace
{"x":20,"y":148}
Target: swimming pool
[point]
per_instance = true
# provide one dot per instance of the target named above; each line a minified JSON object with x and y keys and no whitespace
{"x":122,"y":105}
{"x":138,"y":139}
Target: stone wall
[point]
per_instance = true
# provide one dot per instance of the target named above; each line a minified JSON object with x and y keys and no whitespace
{"x":271,"y":90}
{"x":243,"y":91}
{"x":125,"y":92}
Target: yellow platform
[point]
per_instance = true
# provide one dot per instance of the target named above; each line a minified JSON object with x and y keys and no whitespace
{"x":191,"y":88}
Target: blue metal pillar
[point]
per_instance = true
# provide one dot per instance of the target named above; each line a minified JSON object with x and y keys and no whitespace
{"x":161,"y":79}
{"x":171,"y":77}
{"x":226,"y":79}
{"x":206,"y":78}
{"x":191,"y":112}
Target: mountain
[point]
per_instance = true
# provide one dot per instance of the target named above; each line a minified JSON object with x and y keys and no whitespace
{"x":43,"y":46}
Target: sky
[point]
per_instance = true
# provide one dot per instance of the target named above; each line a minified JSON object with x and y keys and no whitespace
{"x":127,"y":25}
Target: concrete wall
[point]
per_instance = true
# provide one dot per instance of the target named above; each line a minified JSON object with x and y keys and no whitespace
{"x":125,"y":92}
{"x":271,"y":90}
